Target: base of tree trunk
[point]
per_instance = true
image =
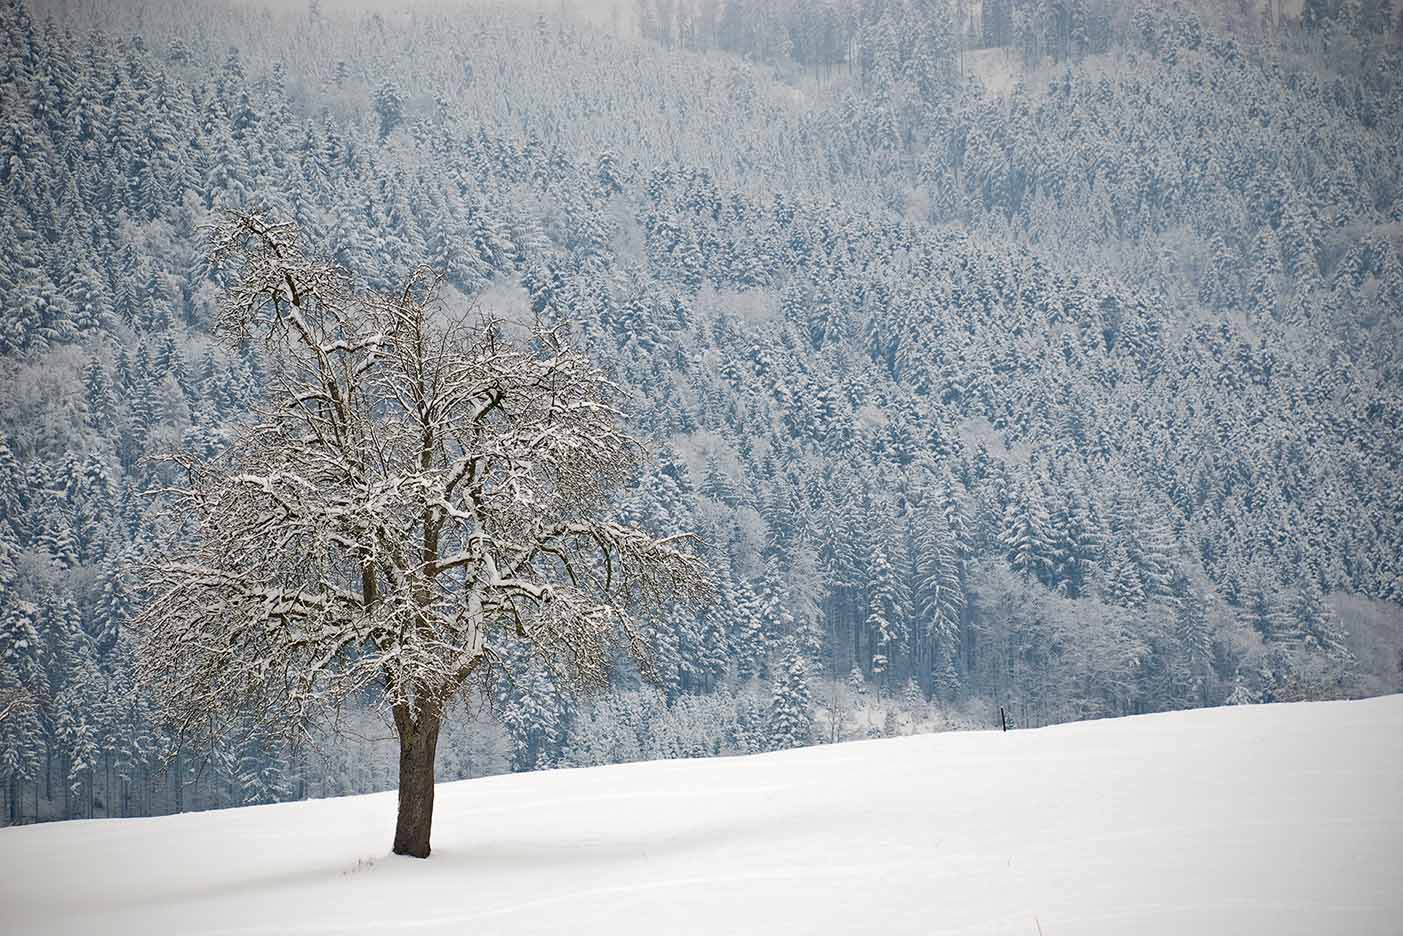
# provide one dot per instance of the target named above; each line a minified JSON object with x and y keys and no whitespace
{"x":416,"y":791}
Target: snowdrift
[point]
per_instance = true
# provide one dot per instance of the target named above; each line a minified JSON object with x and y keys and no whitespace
{"x":1262,"y":819}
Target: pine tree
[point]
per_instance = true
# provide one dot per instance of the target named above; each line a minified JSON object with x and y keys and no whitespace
{"x":1313,"y":622}
{"x":713,"y":658}
{"x":716,"y":483}
{"x":21,"y":734}
{"x":1123,"y":584}
{"x":791,"y":719}
{"x":945,"y":678}
{"x":1078,"y":540}
{"x":1192,"y":627}
{"x":913,"y":699}
{"x":55,"y":533}
{"x":97,"y":394}
{"x":1265,"y":293}
{"x":1025,"y":534}
{"x":883,"y":624}
{"x":667,"y":662}
{"x":772,"y":599}
{"x":1259,"y":605}
{"x":533,"y":712}
{"x":746,"y":633}
{"x":1300,"y":233}
{"x":749,"y":733}
{"x":114,"y":604}
{"x":1390,"y":272}
{"x":857,"y":684}
{"x":12,"y":485}
{"x":1241,"y":695}
{"x":92,"y":507}
{"x":389,"y":108}
{"x":1149,"y":543}
{"x":939,"y":592}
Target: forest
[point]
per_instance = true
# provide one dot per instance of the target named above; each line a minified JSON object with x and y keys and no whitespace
{"x":1034,"y":355}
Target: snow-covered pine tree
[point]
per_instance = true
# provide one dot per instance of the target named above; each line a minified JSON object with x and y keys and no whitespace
{"x":883,"y":627}
{"x":791,"y":717}
{"x":939,"y":591}
{"x":1026,"y":535}
{"x":1123,"y":584}
{"x":21,"y":732}
{"x":746,"y":633}
{"x":1313,"y":622}
{"x":1192,"y":627}
{"x":913,"y":699}
{"x":749,"y":731}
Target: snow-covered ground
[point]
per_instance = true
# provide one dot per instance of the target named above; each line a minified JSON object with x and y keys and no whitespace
{"x":1263,"y":819}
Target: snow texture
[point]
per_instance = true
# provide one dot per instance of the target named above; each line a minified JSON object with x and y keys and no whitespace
{"x":1274,"y":819}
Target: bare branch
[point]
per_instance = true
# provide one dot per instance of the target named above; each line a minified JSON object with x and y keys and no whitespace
{"x":417,"y":494}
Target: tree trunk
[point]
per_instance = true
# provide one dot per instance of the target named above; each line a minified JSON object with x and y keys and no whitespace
{"x":417,"y":747}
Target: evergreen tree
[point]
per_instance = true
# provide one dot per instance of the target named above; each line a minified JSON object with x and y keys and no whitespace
{"x":857,"y":685}
{"x":389,"y":108}
{"x":1241,"y":695}
{"x":1265,"y":293}
{"x":750,"y":731}
{"x":884,"y":626}
{"x":791,"y":720}
{"x":912,"y":698}
{"x":939,"y":592}
{"x":1123,"y":584}
{"x":1192,"y":627}
{"x":21,"y":735}
{"x":98,"y":395}
{"x":533,"y":712}
{"x":1311,"y":621}
{"x":1025,"y":534}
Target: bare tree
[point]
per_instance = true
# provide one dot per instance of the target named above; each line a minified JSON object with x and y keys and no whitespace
{"x":416,"y":493}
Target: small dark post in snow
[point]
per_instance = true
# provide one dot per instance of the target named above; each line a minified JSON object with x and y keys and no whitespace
{"x":1003,"y":719}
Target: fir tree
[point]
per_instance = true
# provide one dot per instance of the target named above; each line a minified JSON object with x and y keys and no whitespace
{"x":791,"y":720}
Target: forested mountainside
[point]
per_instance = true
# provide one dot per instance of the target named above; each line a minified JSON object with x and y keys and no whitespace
{"x":1041,"y":355}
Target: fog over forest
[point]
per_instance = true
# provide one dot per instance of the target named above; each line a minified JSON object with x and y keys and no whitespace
{"x":1028,"y":356}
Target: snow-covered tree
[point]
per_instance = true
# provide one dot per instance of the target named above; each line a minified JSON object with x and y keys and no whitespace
{"x":419,"y":494}
{"x":791,"y":722}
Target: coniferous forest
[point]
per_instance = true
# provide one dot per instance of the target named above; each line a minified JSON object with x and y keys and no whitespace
{"x":1043,"y":355}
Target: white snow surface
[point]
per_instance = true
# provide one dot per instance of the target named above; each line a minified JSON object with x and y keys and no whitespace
{"x":1273,"y":819}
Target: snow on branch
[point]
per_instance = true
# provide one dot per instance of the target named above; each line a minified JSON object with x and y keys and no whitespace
{"x":416,"y":492}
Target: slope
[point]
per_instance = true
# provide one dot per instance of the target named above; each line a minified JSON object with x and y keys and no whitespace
{"x":1261,"y":819}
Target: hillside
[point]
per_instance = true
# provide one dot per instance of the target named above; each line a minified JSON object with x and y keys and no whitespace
{"x":1270,"y":820}
{"x":1075,"y":391}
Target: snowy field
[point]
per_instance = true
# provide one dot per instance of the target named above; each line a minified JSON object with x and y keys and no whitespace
{"x":1265,"y":819}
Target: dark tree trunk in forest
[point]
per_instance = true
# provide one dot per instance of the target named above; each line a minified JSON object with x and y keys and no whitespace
{"x":417,"y":748}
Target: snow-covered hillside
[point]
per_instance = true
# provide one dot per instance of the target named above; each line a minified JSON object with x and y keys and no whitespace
{"x":1266,"y":819}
